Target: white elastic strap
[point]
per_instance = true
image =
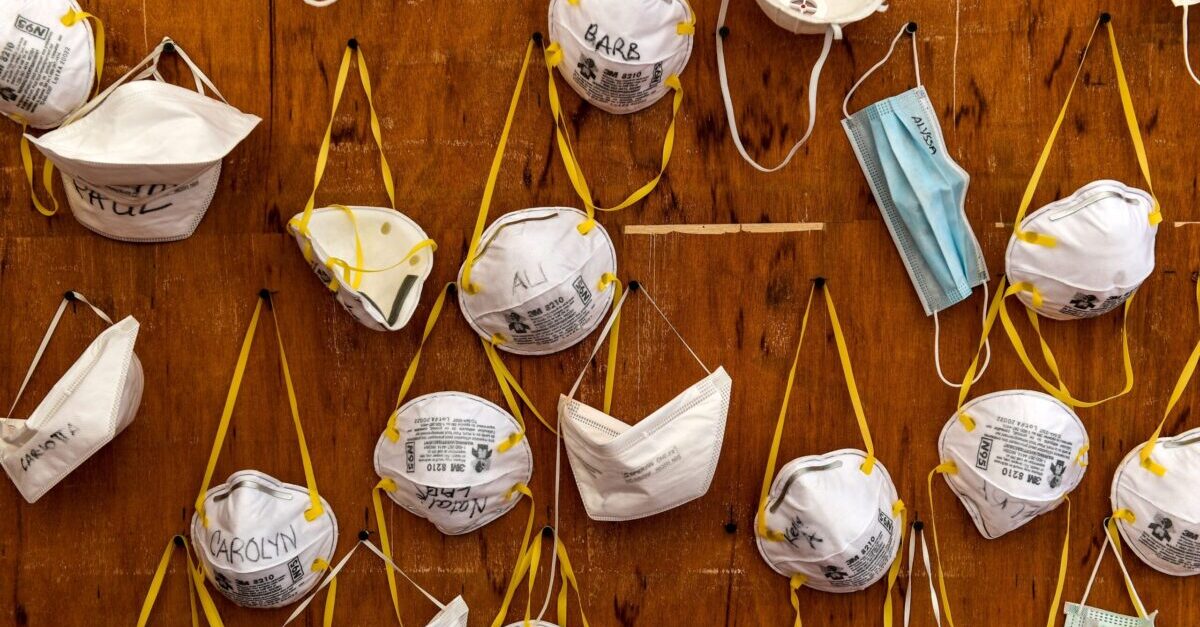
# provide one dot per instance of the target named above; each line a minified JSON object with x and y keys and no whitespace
{"x":886,"y":57}
{"x":1141,"y":607}
{"x":813,"y":81}
{"x":387,"y":560}
{"x":937,"y":345}
{"x":1187,"y":59}
{"x":912,"y":552}
{"x":954,"y":64}
{"x":319,"y":3}
{"x":933,"y":599}
{"x":612,"y":317}
{"x":37,"y":357}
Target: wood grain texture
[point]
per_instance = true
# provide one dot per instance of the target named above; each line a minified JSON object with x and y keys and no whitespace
{"x":443,"y":73}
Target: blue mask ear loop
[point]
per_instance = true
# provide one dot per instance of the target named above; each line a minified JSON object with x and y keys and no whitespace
{"x":910,"y":29}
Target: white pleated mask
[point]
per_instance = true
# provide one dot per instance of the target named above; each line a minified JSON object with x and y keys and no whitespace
{"x":807,"y":17}
{"x":455,"y":459}
{"x":140,"y":162}
{"x":535,"y":284}
{"x":832,"y":522}
{"x":51,"y":60}
{"x":89,"y":405}
{"x":667,"y":459}
{"x":617,"y":54}
{"x":1015,"y":454}
{"x":262,"y":543}
{"x":375,"y":260}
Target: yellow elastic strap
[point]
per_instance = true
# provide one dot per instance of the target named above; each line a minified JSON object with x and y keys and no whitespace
{"x":851,"y":386}
{"x":330,"y":603}
{"x":553,"y":56}
{"x":72,"y":18}
{"x":944,"y":468}
{"x":392,"y":433}
{"x":1059,"y":390}
{"x":499,"y":367}
{"x":898,"y":509}
{"x":195,"y":587}
{"x":1110,"y":528}
{"x":1131,"y":121}
{"x":1062,"y":569}
{"x":610,"y":373}
{"x":505,"y":379}
{"x":47,"y":176}
{"x":1081,"y":456}
{"x":1125,"y":515}
{"x":989,"y":321}
{"x":385,"y":545}
{"x":762,"y":529}
{"x":968,"y":422}
{"x":323,"y":153}
{"x":333,"y":263}
{"x":1037,"y":239}
{"x":317,"y":509}
{"x":493,"y":174}
{"x":527,"y":562}
{"x":1181,"y":384}
{"x":567,"y":574}
{"x":795,"y":583}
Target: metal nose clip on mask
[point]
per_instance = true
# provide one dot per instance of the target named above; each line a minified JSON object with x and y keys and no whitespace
{"x":1081,"y":615}
{"x":921,"y":193}
{"x":804,"y":17}
{"x":1154,"y":499}
{"x":1187,"y":59}
{"x":54,"y":57}
{"x":89,"y":405}
{"x":375,"y":260}
{"x":452,"y":614}
{"x":621,"y":56}
{"x":536,"y":281}
{"x":262,"y":543}
{"x":141,"y":161}
{"x":1084,"y":255}
{"x":832,"y":522}
{"x":668,"y":458}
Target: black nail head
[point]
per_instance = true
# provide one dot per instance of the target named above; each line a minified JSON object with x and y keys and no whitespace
{"x":169,"y":47}
{"x":1105,"y":17}
{"x":452,"y":289}
{"x":911,"y":28}
{"x":918,"y":525}
{"x":264,"y":294}
{"x":178,"y":540}
{"x":547,"y":532}
{"x":537,"y":37}
{"x":723,"y":32}
{"x":70,"y":295}
{"x":731,"y":527}
{"x":634,"y":286}
{"x":363,"y":535}
{"x":819,"y":281}
{"x":353,"y":43}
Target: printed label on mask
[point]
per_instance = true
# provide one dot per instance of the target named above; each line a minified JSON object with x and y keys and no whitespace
{"x":1023,"y":452}
{"x":1179,"y":547}
{"x":262,"y":588}
{"x":31,"y":66}
{"x":863,"y":567}
{"x":615,"y":88}
{"x":555,"y":316}
{"x":444,"y":445}
{"x":1084,"y":305}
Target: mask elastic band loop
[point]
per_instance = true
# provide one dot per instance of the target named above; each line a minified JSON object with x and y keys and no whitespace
{"x":47,"y":178}
{"x":1060,"y":390}
{"x":1062,"y":569}
{"x":414,"y":364}
{"x":553,"y":56}
{"x":851,"y":386}
{"x":489,"y":188}
{"x":950,"y":468}
{"x":1181,"y":384}
{"x":794,"y":584}
{"x":917,"y":536}
{"x":527,"y":563}
{"x":1131,"y":120}
{"x":156,"y":583}
{"x":1112,"y":537}
{"x":316,"y":508}
{"x":970,"y":377}
{"x":814,"y":80}
{"x":898,"y":509}
{"x":987,"y":343}
{"x":910,"y":29}
{"x":610,"y":373}
{"x":1187,"y":59}
{"x":73,"y":17}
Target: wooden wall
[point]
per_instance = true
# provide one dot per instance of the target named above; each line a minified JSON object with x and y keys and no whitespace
{"x":443,"y":74}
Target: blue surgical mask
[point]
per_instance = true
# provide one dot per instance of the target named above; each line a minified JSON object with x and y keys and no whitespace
{"x":920,"y":190}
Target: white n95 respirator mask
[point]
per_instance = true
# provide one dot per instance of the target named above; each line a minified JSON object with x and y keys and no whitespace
{"x":617,"y":54}
{"x":1155,"y":503}
{"x":1014,"y":455}
{"x":536,"y":281}
{"x":375,"y":260}
{"x":832,"y":522}
{"x":262,"y":543}
{"x":50,"y":60}
{"x":455,"y":459}
{"x":668,"y":458}
{"x":89,"y":405}
{"x":806,"y":17}
{"x":1084,"y":255}
{"x":140,"y":162}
